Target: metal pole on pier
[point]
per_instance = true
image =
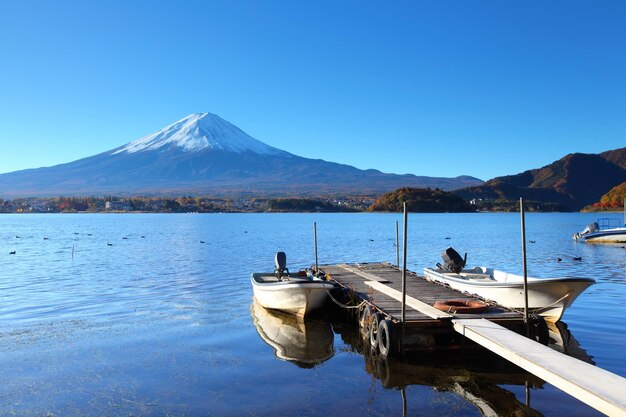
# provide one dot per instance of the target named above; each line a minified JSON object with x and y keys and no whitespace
{"x":521,"y":210}
{"x":315,"y":240}
{"x":398,"y":247}
{"x":404,"y":239}
{"x":404,"y":402}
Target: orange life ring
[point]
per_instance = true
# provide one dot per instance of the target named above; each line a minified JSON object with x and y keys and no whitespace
{"x":461,"y":306}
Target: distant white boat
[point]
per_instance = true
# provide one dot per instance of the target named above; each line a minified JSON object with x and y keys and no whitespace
{"x":298,"y":294}
{"x":548,"y":297}
{"x":603,"y":230}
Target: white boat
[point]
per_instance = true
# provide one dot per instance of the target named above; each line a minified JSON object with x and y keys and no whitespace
{"x":298,"y":294}
{"x":306,"y":343}
{"x":603,"y":230}
{"x":548,"y":297}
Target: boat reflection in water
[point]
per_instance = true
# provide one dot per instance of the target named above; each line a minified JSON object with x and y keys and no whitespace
{"x":306,"y":343}
{"x":562,"y":340}
{"x":472,"y":373}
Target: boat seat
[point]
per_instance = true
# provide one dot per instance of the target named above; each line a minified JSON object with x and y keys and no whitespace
{"x":477,"y":277}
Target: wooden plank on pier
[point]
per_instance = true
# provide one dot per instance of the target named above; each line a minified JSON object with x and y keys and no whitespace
{"x":355,"y":277}
{"x":594,"y":386}
{"x":412,"y":302}
{"x":366,"y":275}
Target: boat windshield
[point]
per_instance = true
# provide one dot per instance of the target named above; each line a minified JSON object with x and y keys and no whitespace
{"x":609,"y":223}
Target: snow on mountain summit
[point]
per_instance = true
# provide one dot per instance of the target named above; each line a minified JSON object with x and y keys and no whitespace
{"x":199,"y":132}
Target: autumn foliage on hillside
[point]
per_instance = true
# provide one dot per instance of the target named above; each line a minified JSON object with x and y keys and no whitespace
{"x":613,"y":200}
{"x":421,"y":200}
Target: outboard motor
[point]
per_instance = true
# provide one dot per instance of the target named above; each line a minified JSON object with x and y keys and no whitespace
{"x":280,"y":262}
{"x":452,"y":261}
{"x":592,"y":227}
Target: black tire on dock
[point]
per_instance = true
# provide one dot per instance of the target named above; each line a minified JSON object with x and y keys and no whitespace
{"x":373,"y":330}
{"x":386,"y":338}
{"x":364,"y":321}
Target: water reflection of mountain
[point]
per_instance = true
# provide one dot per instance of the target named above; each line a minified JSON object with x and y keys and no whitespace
{"x":306,"y":343}
{"x":477,"y":375}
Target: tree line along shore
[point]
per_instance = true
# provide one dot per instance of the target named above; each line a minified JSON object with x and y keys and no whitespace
{"x":418,"y":200}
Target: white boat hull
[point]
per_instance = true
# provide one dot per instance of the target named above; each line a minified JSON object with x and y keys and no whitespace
{"x":617,"y":235}
{"x":604,"y":230}
{"x":548,"y":297}
{"x":299,"y":297}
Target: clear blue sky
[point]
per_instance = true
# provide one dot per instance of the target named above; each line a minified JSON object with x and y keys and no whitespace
{"x":440,"y":88}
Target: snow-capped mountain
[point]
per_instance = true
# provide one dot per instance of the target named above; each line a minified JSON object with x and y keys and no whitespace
{"x":199,"y":132}
{"x":202,"y":154}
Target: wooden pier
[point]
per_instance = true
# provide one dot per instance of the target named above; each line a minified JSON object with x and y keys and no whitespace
{"x":377,"y":287}
{"x":380,"y":286}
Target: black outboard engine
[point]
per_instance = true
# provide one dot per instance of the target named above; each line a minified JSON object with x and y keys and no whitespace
{"x":452,"y":261}
{"x":280,"y":261}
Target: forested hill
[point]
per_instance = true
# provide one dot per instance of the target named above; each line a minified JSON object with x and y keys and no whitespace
{"x":421,"y":200}
{"x":572,"y":182}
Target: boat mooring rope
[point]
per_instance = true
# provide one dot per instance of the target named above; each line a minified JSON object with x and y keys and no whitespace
{"x":339,"y":303}
{"x":539,"y":310}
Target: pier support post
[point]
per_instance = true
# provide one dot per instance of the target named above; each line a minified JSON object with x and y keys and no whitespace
{"x":404,"y":242}
{"x":523,"y":220}
{"x":404,"y":410}
{"x":398,"y":247}
{"x":315,"y":241}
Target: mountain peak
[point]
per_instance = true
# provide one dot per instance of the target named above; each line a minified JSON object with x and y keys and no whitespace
{"x":199,"y":132}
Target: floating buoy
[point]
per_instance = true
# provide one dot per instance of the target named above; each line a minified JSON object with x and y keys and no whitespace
{"x":461,"y":306}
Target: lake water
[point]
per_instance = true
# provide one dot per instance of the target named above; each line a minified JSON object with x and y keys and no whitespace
{"x":131,"y":314}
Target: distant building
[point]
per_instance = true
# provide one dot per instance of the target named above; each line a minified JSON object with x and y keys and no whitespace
{"x":117,"y":206}
{"x":40,"y":206}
